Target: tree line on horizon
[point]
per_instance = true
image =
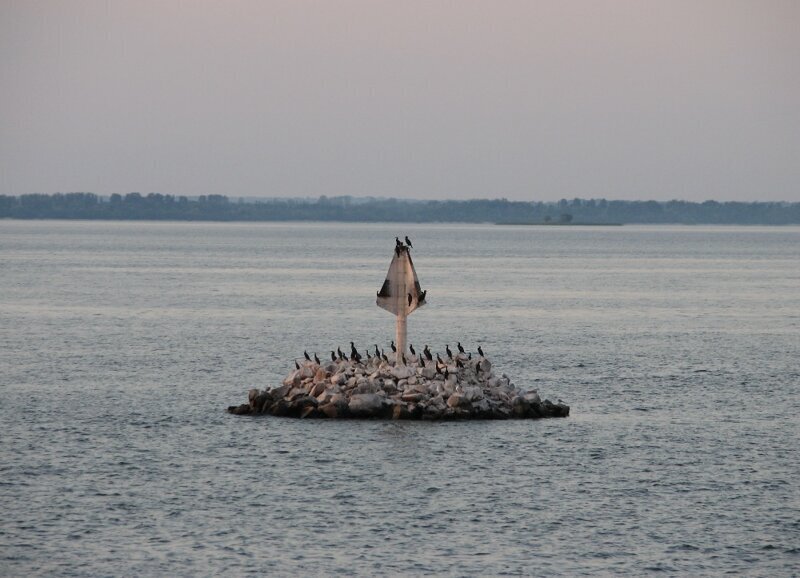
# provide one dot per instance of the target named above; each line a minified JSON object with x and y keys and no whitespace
{"x":157,"y":206}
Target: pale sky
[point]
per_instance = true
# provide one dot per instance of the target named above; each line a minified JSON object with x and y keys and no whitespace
{"x":623,"y":99}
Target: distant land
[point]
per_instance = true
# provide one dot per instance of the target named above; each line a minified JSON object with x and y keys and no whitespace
{"x":157,"y":206}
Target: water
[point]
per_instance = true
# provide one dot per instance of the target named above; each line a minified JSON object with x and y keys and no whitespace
{"x":122,"y":343}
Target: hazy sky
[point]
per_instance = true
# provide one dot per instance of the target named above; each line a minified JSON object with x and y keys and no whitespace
{"x":520,"y":99}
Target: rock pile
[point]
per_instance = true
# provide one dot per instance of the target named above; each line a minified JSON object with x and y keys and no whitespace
{"x":460,"y":388}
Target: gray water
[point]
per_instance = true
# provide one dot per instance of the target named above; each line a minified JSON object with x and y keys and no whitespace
{"x":121,"y":344}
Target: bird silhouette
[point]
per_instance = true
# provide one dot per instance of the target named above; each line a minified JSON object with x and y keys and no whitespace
{"x":480,"y":351}
{"x":408,"y":242}
{"x":422,"y":295}
{"x":377,"y":353}
{"x":296,"y":365}
{"x":410,"y":299}
{"x":449,"y":353}
{"x":393,"y":346}
{"x":316,"y":358}
{"x":460,"y":348}
{"x":411,"y":349}
{"x":428,"y":353}
{"x":333,"y":356}
{"x":305,"y":354}
{"x":439,"y":360}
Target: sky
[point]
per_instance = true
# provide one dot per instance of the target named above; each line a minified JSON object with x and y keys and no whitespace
{"x":527,"y":100}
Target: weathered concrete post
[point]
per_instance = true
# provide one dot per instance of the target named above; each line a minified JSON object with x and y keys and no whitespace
{"x":401,"y":293}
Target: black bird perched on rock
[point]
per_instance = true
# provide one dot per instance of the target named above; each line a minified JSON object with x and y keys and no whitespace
{"x":402,"y":358}
{"x":459,"y":363}
{"x":460,"y":348}
{"x":408,"y":242}
{"x":377,"y":353}
{"x":353,"y":350}
{"x":368,"y":355}
{"x":446,"y":372}
{"x":410,"y":299}
{"x":393,"y":346}
{"x":428,"y":353}
{"x":411,"y":349}
{"x":469,"y":356}
{"x":333,"y":356}
{"x":384,"y":357}
{"x":449,"y":353}
{"x":439,"y":360}
{"x":296,"y":365}
{"x":339,"y":351}
{"x":316,"y":358}
{"x":305,"y":354}
{"x":480,"y":351}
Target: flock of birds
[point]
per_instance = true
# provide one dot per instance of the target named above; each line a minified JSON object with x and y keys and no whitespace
{"x":426,"y":356}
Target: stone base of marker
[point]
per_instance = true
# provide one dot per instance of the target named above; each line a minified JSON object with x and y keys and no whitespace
{"x":376,"y":389}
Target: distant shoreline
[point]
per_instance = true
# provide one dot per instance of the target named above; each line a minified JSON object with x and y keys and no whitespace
{"x":588,"y":224}
{"x":574,"y":212}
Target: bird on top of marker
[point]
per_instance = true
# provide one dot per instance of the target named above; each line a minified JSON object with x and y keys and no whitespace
{"x":408,"y":242}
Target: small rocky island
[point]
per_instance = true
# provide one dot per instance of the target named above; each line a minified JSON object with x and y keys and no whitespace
{"x":396,"y":385}
{"x":460,"y":387}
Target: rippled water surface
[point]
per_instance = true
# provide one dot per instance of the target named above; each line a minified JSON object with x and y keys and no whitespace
{"x":678,"y":349}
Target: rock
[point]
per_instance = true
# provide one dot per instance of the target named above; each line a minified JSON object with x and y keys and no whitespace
{"x":402,"y":411}
{"x":320,"y":375}
{"x":318,"y":389}
{"x":280,"y":408}
{"x":532,"y":396}
{"x":293,"y":378}
{"x":306,"y":372}
{"x":519,"y":407}
{"x":366,"y":405}
{"x":411,"y":397}
{"x":295,"y":393}
{"x":334,"y":410}
{"x":428,"y":372}
{"x":279,"y":392}
{"x":457,"y":400}
{"x":243,"y":409}
{"x":402,"y":372}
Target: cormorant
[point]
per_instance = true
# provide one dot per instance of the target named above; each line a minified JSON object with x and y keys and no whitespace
{"x":305,"y":353}
{"x":345,"y":357}
{"x":333,"y":356}
{"x":480,"y":351}
{"x":449,"y":353}
{"x":316,"y":358}
{"x":377,"y":353}
{"x":393,"y":346}
{"x":439,"y":360}
{"x":469,"y":355}
{"x":408,"y":242}
{"x":428,"y":353}
{"x":411,"y":349}
{"x":384,"y":357}
{"x":368,"y":355}
{"x":422,"y":296}
{"x":402,"y":359}
{"x":296,"y":365}
{"x":410,"y":299}
{"x":446,"y":372}
{"x":460,"y":348}
{"x":458,"y":363}
{"x":339,"y":351}
{"x":353,"y":350}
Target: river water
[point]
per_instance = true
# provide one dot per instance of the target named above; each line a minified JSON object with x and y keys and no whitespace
{"x":121,"y":344}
